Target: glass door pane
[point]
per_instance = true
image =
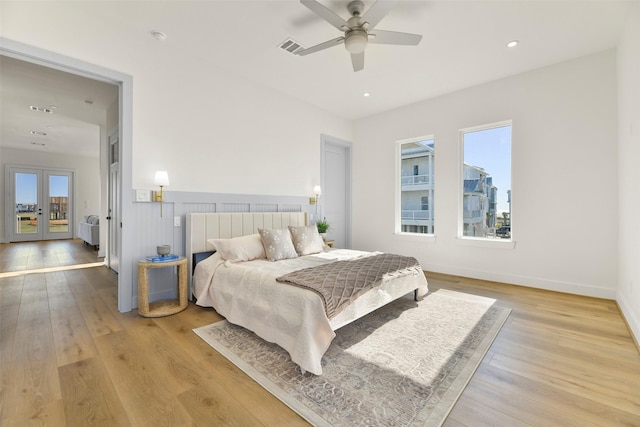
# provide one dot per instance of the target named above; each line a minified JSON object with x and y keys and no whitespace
{"x":58,"y":204}
{"x":27,"y":209}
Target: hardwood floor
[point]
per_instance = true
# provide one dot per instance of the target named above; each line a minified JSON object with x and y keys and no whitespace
{"x":68,"y":357}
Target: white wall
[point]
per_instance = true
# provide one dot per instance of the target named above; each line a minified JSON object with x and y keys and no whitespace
{"x":213,"y":131}
{"x":629,"y":155}
{"x":564,"y":178}
{"x":222,"y":133}
{"x":87,"y":177}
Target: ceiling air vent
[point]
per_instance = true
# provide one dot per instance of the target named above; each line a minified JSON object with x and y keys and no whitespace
{"x":291,"y":46}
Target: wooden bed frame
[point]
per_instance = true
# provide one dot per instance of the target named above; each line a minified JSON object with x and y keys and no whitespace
{"x":204,"y":226}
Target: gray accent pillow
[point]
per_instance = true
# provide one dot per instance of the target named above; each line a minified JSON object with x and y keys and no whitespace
{"x":277,"y":243}
{"x":306,"y":239}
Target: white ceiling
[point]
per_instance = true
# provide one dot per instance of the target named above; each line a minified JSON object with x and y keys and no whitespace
{"x":78,"y":108}
{"x":463,"y":45}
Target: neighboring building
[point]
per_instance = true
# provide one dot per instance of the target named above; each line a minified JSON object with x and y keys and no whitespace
{"x":25,"y":207}
{"x":479,"y":203}
{"x":417,"y":190}
{"x":417,"y":187}
{"x":58,"y":207}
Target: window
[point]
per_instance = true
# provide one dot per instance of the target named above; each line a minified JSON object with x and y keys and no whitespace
{"x":416,"y":185}
{"x":486,"y":181}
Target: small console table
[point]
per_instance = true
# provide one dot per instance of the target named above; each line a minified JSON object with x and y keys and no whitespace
{"x":164,"y":307}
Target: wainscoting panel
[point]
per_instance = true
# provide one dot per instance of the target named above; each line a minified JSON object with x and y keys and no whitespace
{"x":152,"y":230}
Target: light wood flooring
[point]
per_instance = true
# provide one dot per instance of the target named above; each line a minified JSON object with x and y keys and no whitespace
{"x":68,"y":357}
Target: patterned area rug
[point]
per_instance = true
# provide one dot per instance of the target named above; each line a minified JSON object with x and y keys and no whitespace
{"x":405,"y":364}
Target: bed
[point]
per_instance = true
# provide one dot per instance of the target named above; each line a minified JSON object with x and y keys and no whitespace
{"x":245,"y":290}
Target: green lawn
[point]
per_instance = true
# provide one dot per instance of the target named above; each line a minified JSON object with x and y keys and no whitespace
{"x":27,"y":224}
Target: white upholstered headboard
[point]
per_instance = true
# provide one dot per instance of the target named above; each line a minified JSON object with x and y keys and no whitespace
{"x":204,"y":226}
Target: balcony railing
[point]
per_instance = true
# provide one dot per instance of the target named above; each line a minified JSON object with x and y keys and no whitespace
{"x":416,"y":180}
{"x":421,"y":215}
{"x":473,"y":216}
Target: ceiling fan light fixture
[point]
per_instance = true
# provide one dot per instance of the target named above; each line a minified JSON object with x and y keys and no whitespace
{"x":356,"y":41}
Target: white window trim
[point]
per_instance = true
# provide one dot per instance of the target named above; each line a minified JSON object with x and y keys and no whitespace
{"x":486,"y":242}
{"x":398,"y":190}
{"x":509,"y":243}
{"x":422,"y":237}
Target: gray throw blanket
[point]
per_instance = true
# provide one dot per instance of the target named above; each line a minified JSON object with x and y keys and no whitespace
{"x":341,"y":282}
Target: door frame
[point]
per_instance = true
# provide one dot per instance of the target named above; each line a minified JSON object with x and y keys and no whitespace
{"x":113,"y":208}
{"x":124,"y":82}
{"x":326,"y":140}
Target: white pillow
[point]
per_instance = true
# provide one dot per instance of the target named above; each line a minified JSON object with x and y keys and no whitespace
{"x":239,"y":249}
{"x":277,"y":243}
{"x":306,"y":239}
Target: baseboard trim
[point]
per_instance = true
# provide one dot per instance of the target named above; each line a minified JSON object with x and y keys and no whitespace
{"x":529,"y":281}
{"x":630,"y":320}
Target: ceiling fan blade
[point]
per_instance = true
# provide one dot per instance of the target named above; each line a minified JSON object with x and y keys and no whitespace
{"x":357,"y":59}
{"x":326,"y":14}
{"x":321,"y":46}
{"x":377,"y":11}
{"x":393,"y":37}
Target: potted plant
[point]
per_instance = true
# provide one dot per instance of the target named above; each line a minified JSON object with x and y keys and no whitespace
{"x":323,"y":226}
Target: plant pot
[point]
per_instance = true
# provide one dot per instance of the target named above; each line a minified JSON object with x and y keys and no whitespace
{"x":324,"y":236}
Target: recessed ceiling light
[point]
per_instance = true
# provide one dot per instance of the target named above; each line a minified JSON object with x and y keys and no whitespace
{"x":159,"y":35}
{"x":513,"y":43}
{"x":42,"y":109}
{"x":366,"y":94}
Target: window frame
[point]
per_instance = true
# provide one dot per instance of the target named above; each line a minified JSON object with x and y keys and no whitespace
{"x":398,"y":190}
{"x":475,"y":240}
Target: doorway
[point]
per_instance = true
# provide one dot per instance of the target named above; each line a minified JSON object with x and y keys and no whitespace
{"x":336,"y":188}
{"x":124,"y":83}
{"x":43,"y":203}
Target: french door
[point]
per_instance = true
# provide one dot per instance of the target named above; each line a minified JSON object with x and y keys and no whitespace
{"x":42,"y":200}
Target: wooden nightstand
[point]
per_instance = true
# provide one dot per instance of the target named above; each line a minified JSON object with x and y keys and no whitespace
{"x":164,"y":307}
{"x":329,"y":243}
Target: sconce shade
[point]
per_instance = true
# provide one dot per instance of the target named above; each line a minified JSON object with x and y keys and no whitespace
{"x":161,"y":178}
{"x":317,"y":190}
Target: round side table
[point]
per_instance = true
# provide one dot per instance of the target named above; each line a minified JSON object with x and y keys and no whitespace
{"x":163,"y":307}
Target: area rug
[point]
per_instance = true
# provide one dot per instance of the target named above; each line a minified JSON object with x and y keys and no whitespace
{"x":405,"y":364}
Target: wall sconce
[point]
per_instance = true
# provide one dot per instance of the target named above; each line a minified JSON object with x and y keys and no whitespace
{"x":161,"y":179}
{"x":314,"y":200}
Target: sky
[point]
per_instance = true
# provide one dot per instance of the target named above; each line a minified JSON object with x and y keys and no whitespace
{"x":26,"y":187}
{"x":490,"y":149}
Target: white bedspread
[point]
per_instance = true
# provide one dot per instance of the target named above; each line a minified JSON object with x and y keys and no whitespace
{"x":248,"y":295}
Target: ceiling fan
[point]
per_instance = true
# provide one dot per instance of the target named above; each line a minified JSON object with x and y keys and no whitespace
{"x":359,"y":29}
